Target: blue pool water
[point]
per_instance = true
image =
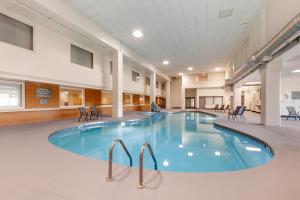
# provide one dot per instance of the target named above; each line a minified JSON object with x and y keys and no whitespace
{"x":182,"y":142}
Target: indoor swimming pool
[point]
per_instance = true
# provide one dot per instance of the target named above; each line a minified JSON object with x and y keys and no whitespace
{"x":182,"y":142}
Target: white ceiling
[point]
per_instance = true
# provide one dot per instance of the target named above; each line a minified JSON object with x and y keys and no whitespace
{"x":186,"y":32}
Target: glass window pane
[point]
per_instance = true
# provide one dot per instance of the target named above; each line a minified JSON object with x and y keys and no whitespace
{"x":71,"y":97}
{"x":218,"y":100}
{"x":10,"y":95}
{"x":106,"y":98}
{"x":15,"y":32}
{"x":81,"y":57}
{"x":135,"y":76}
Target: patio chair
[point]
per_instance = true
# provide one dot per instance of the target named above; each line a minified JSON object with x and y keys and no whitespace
{"x":241,"y":113}
{"x":216,"y":107}
{"x":95,"y":113}
{"x":222,"y":108}
{"x":234,"y":113}
{"x":227,"y":108}
{"x":83,"y":113}
{"x":292,"y":113}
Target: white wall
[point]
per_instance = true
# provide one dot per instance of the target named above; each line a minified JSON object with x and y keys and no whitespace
{"x":287,"y":86}
{"x":176,"y":92}
{"x":50,"y":61}
{"x":214,"y":80}
{"x":252,"y":97}
{"x":133,"y":86}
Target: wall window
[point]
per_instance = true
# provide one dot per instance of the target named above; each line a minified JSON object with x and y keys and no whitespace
{"x":106,"y":98}
{"x":157,"y":84}
{"x":71,"y":97}
{"x":127,"y":99}
{"x":10,"y":95}
{"x":147,"y":81}
{"x":135,"y":76}
{"x":15,"y":32}
{"x":81,"y":57}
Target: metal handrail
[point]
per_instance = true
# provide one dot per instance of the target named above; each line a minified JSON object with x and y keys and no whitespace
{"x":141,"y":168}
{"x":111,"y":149}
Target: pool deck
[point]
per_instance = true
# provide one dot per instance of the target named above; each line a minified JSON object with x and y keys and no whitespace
{"x":33,"y":169}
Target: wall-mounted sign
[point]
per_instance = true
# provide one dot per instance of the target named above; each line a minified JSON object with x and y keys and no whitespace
{"x":43,"y":93}
{"x":43,"y":101}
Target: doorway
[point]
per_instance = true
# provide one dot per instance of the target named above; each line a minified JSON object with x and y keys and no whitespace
{"x":190,"y":102}
{"x":201,"y":102}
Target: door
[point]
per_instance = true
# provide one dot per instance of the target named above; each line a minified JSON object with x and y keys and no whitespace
{"x":201,"y":102}
{"x":190,"y":102}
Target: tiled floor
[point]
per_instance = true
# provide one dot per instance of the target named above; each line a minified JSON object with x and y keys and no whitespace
{"x":33,"y":169}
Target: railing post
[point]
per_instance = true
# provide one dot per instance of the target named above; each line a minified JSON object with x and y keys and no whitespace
{"x":111,"y":149}
{"x":141,"y":165}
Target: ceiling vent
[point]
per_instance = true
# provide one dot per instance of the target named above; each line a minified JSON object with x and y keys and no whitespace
{"x":225,"y":13}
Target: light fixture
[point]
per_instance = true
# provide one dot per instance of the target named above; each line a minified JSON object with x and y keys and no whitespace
{"x":225,"y":13}
{"x":180,"y":146}
{"x":253,"y":83}
{"x":180,"y":74}
{"x":190,"y":154}
{"x":137,"y":34}
{"x":217,"y":153}
{"x":253,"y":149}
{"x":217,"y":69}
{"x":190,"y":68}
{"x":166,"y":62}
{"x":296,"y":71}
{"x":166,"y":163}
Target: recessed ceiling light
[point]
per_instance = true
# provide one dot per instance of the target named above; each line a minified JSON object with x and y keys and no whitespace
{"x":166,"y":62}
{"x":137,"y":34}
{"x":225,"y":13}
{"x":180,"y":74}
{"x":296,"y":71}
{"x":217,"y":69}
{"x":190,"y":68}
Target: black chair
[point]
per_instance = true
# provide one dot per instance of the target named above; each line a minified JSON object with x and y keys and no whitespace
{"x":234,"y":113}
{"x":241,"y":113}
{"x":292,"y":113}
{"x":95,"y":113}
{"x":83,"y":113}
{"x":227,"y":108}
{"x":216,"y":107}
{"x":222,"y":108}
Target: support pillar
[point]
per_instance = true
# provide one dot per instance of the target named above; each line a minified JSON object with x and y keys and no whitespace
{"x":270,"y":93}
{"x":117,"y":84}
{"x":152,"y":86}
{"x":168,"y":94}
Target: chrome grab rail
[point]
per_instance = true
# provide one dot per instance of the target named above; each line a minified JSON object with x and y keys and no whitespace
{"x":111,"y":149}
{"x":141,"y":168}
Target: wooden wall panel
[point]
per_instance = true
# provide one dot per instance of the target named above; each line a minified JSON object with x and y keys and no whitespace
{"x":147,"y":100}
{"x":32,"y":101}
{"x":28,"y":117}
{"x":136,"y":99}
{"x":92,"y":97}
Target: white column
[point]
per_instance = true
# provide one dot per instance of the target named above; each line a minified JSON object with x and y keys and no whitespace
{"x":168,"y":94}
{"x":237,"y":95}
{"x":270,"y":93}
{"x":152,"y":86}
{"x":182,"y":97}
{"x":117,"y":83}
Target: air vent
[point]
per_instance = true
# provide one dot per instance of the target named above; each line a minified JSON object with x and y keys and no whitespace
{"x":225,"y":13}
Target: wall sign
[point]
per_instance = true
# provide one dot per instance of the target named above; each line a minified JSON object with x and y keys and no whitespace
{"x":43,"y":101}
{"x":43,"y":93}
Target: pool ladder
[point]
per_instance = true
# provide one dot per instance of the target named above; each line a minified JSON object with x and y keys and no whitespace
{"x":141,"y":184}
